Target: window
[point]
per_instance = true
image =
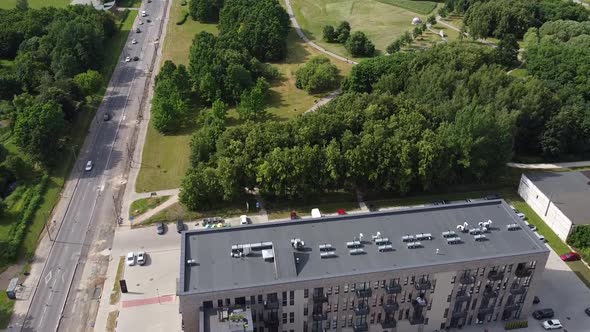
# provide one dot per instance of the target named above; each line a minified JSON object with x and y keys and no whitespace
{"x":449,"y":298}
{"x":533,"y":264}
{"x":328,"y":307}
{"x":227,"y":302}
{"x":329,"y":291}
{"x":334,"y":323}
{"x":351,"y":304}
{"x":291,"y":297}
{"x":220,"y":303}
{"x":401,"y":315}
{"x":373,"y":318}
{"x":352,"y":287}
{"x":453,"y":280}
{"x":446,"y":313}
{"x":252,"y":299}
{"x":259,"y":299}
{"x":405,"y":281}
{"x":254,"y":316}
{"x":403,"y":297}
{"x":284,"y":297}
{"x":291,"y":317}
{"x":349,"y":320}
{"x":345,"y":288}
{"x":305,"y":310}
{"x":306,"y":293}
{"x":378,"y":318}
{"x":343,"y":324}
{"x":376,"y":284}
{"x":510,"y":268}
{"x":284,"y":318}
{"x":426,"y":321}
{"x":335,"y":307}
{"x":336,"y":289}
{"x":412,"y":280}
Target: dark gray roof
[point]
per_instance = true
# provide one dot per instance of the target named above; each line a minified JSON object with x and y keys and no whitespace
{"x":214,"y":269}
{"x":569,"y":191}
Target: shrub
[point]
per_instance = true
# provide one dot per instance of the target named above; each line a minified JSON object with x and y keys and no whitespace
{"x":182,"y":19}
{"x":359,"y":45}
{"x":516,"y":325}
{"x":317,"y":75}
{"x":183,"y":3}
{"x":329,"y":34}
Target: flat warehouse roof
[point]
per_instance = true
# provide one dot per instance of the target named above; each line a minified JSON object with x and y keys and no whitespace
{"x":569,"y":191}
{"x":208,"y":262}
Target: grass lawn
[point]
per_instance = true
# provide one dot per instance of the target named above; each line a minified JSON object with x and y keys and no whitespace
{"x":381,"y":22}
{"x":9,"y":4}
{"x":6,"y":307}
{"x":166,"y":157}
{"x":177,"y":211}
{"x":141,"y":206}
{"x":520,"y":73}
{"x":327,"y":203}
{"x":129,"y":3}
{"x":421,"y":7}
{"x":116,"y":292}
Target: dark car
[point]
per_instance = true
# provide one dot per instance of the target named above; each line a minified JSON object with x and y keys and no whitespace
{"x":106,"y":116}
{"x":149,"y":21}
{"x":543,"y":313}
{"x":536,"y":300}
{"x":587,"y":311}
{"x":138,"y":30}
{"x":160,"y":228}
{"x":570,"y":257}
{"x":492,"y":196}
{"x":179,"y":226}
{"x":135,"y":58}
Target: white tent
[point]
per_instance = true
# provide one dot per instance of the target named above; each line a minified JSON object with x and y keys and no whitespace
{"x":416,"y":20}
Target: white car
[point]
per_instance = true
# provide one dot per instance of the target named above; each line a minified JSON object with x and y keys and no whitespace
{"x":143,"y":13}
{"x":552,"y":324}
{"x":89,"y":165}
{"x":133,"y":41}
{"x":141,"y":257}
{"x":140,"y":22}
{"x":130,"y":260}
{"x":521,"y":215}
{"x":244,"y":220}
{"x":127,"y":59}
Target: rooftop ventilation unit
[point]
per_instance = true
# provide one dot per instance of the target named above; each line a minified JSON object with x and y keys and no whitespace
{"x":297,"y":244}
{"x":191,"y":262}
{"x":408,"y":238}
{"x":414,"y":245}
{"x":376,"y":236}
{"x":454,"y":240}
{"x":326,"y":247}
{"x":480,"y":237}
{"x":423,"y":236}
{"x":381,"y":241}
{"x":353,"y":244}
{"x":261,"y":245}
{"x":268,"y":254}
{"x":328,"y":254}
{"x":475,"y":231}
{"x":387,"y":247}
{"x":512,"y":227}
{"x":449,"y":234}
{"x":463,"y":228}
{"x":357,"y":251}
{"x":486,"y":224}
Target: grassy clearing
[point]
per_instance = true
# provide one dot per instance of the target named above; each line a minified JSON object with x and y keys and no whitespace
{"x":328,"y":203}
{"x":6,"y":307}
{"x":420,"y":7}
{"x":116,"y":292}
{"x":129,"y":3}
{"x":382,"y":22}
{"x":9,"y":4}
{"x":177,"y":211}
{"x":141,"y":206}
{"x":520,"y":73}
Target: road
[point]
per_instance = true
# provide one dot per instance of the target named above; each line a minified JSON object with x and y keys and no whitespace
{"x":92,"y":202}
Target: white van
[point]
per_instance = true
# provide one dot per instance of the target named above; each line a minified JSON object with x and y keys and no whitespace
{"x":315,"y":213}
{"x":244,"y":220}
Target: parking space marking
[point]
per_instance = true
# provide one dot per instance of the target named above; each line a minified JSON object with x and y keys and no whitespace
{"x":147,"y":301}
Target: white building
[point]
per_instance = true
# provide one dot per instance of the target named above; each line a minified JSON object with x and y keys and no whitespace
{"x":406,"y":270}
{"x":561,"y":199}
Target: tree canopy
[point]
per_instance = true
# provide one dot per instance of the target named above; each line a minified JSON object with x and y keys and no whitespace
{"x":317,"y":75}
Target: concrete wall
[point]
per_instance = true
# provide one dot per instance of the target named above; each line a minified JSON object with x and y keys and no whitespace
{"x":540,"y":202}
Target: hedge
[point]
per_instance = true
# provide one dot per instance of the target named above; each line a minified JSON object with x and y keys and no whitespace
{"x":182,"y":19}
{"x":516,"y":325}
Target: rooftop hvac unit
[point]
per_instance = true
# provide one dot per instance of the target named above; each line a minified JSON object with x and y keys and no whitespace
{"x":387,"y":247}
{"x":475,"y":231}
{"x":449,"y":234}
{"x":328,"y":254}
{"x":414,"y":245}
{"x":512,"y":227}
{"x":480,"y":237}
{"x":353,"y":244}
{"x":381,"y":241}
{"x":357,"y":251}
{"x":326,"y":247}
{"x":454,"y":240}
{"x":424,"y":236}
{"x":408,"y":238}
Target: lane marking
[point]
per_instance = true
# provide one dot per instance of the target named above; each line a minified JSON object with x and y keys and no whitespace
{"x":48,"y":277}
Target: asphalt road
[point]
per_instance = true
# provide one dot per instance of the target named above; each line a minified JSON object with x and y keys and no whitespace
{"x":106,"y":147}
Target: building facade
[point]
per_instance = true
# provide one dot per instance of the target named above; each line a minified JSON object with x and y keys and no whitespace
{"x":427,"y":288}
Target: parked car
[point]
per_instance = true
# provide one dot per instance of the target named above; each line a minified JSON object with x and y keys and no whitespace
{"x":521,"y":215}
{"x":135,"y":58}
{"x":244,"y":220}
{"x":160,"y":228}
{"x":143,"y":13}
{"x":570,"y":257}
{"x":212,"y":221}
{"x":133,"y":41}
{"x":130,"y":260}
{"x":543,"y":313}
{"x":138,"y":30}
{"x":587,"y":311}
{"x":179,"y":226}
{"x":140,"y":22}
{"x":341,"y":212}
{"x":552,"y":324}
{"x":141,"y":258}
{"x":532,"y":227}
{"x":89,"y":166}
{"x":106,"y":116}
{"x":493,"y":196}
{"x":536,"y":300}
{"x":127,"y":59}
{"x":149,"y":21}
{"x":293,"y":215}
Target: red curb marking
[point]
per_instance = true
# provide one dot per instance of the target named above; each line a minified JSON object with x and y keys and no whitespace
{"x":150,"y":300}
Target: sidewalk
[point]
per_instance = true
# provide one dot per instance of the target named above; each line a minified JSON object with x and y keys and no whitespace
{"x":584,"y":163}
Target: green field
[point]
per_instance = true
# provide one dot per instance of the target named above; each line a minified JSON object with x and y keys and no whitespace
{"x":141,"y":206}
{"x":421,"y":7}
{"x":381,"y":22}
{"x":9,"y":4}
{"x":166,"y":157}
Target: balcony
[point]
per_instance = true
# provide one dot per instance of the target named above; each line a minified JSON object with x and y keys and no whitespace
{"x":459,"y":314}
{"x":517,"y":290}
{"x":360,"y":327}
{"x":364,"y":293}
{"x":271,"y":304}
{"x":422,"y":284}
{"x":320,"y":298}
{"x":271,"y":322}
{"x":467,"y":280}
{"x":486,"y":310}
{"x":511,"y":307}
{"x":463,"y":296}
{"x":523,"y":272}
{"x":390,"y":306}
{"x":319,"y":316}
{"x":393,"y":288}
{"x":495,"y":275}
{"x":361,"y":309}
{"x":419,"y":302}
{"x":416,"y":319}
{"x":389,"y":323}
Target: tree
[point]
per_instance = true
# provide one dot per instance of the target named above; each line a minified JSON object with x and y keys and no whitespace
{"x":89,"y":82}
{"x":252,"y":101}
{"x":317,"y":75}
{"x":200,"y":189}
{"x":205,"y":10}
{"x":417,"y":32}
{"x":431,"y":20}
{"x":343,"y":32}
{"x":329,"y":34}
{"x":22,"y":5}
{"x":168,"y":106}
{"x":507,"y":51}
{"x":394,"y":47}
{"x":359,"y":45}
{"x":38,"y":130}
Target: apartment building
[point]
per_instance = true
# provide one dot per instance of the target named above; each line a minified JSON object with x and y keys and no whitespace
{"x":416,"y":269}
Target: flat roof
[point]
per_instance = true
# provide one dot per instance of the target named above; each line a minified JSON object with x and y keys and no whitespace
{"x":569,"y":191}
{"x":212,"y":267}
